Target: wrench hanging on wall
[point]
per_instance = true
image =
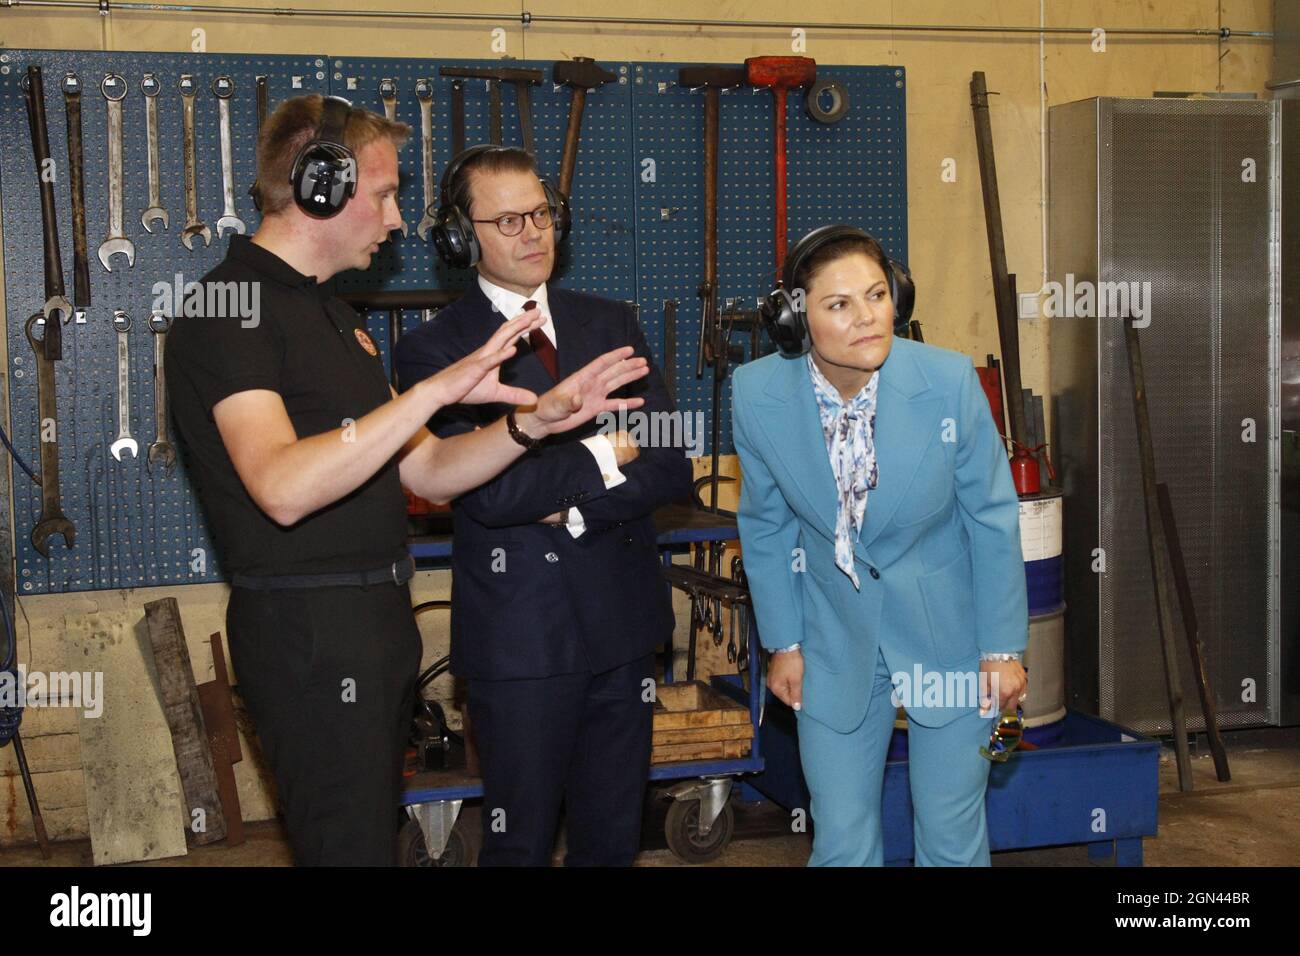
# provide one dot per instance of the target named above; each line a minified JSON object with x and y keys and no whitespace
{"x":161,"y":449}
{"x":193,"y":225}
{"x":424,"y":93}
{"x":124,"y":441}
{"x":388,"y":95}
{"x":223,"y":88}
{"x":150,"y":87}
{"x":114,"y":89}
{"x":57,"y":310}
{"x":52,"y":520}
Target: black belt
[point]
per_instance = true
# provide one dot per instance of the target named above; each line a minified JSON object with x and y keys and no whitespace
{"x":398,"y":573}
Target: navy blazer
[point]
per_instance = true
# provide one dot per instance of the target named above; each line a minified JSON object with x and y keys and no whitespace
{"x":529,"y":599}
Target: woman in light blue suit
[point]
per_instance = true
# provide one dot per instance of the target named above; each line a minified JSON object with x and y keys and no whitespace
{"x":880,"y":531}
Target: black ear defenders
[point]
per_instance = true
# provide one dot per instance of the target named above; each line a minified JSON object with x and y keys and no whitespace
{"x":787,"y":325}
{"x":324,"y":173}
{"x":453,"y":231}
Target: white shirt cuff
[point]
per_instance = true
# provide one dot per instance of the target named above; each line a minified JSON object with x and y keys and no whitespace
{"x":602,"y":449}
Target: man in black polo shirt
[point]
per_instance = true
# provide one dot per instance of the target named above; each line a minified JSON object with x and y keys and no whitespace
{"x":299,"y":449}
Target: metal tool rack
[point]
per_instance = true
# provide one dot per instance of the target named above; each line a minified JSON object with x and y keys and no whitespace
{"x":637,"y":236}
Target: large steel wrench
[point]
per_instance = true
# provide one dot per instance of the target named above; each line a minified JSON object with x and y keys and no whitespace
{"x":150,"y":87}
{"x":424,"y":93}
{"x":55,"y":300}
{"x":388,"y":94}
{"x":52,"y":520}
{"x":124,"y":442}
{"x":114,"y":89}
{"x":161,"y":449}
{"x":193,"y":225}
{"x":223,"y":88}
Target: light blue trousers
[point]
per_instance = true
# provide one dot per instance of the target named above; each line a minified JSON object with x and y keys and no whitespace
{"x":846,"y":772}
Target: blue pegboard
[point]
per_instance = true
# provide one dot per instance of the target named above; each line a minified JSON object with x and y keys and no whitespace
{"x":854,"y":171}
{"x":133,"y":528}
{"x":140,"y":529}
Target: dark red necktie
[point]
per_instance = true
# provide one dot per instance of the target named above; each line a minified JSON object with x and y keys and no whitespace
{"x":545,"y":351}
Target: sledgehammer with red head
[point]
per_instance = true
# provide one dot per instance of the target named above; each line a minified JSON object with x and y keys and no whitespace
{"x":781,"y":74}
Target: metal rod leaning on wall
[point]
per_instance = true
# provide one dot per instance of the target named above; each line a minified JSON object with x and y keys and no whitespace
{"x":1003,"y":288}
{"x":526,"y":18}
{"x":1192,"y":632}
{"x":1159,"y":553}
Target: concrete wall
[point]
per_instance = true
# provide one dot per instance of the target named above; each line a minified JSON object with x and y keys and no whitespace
{"x":948,"y":254}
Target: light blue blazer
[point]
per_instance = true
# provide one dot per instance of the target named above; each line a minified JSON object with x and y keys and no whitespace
{"x":942,"y":531}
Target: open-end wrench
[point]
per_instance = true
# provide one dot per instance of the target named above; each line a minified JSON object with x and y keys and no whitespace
{"x":388,"y":94}
{"x":424,"y":93}
{"x":124,"y":442}
{"x":223,"y":88}
{"x":114,"y":89}
{"x":161,"y":450}
{"x":52,"y":520}
{"x":193,"y":225}
{"x":150,"y":87}
{"x":55,"y":300}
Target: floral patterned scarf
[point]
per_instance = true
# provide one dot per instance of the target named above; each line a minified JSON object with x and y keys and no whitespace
{"x":850,"y":433}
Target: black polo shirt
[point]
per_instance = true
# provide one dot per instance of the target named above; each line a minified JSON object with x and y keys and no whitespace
{"x":279,"y":330}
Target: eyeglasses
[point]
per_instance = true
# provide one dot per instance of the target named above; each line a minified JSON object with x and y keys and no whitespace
{"x":1005,"y":737}
{"x":512,"y":223}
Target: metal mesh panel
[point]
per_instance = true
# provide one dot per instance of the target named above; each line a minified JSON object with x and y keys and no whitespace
{"x":1182,"y":209}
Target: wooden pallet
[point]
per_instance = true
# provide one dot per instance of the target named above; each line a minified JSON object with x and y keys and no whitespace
{"x":692,"y":721}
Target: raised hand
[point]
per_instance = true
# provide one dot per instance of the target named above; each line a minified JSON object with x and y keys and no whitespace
{"x":585,"y":394}
{"x":476,"y":379}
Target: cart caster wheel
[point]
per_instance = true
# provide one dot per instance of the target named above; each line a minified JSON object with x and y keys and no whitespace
{"x":411,"y":850}
{"x":682,"y":828}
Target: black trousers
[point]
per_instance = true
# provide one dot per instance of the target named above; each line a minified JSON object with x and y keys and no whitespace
{"x":578,"y":739}
{"x":328,"y":675}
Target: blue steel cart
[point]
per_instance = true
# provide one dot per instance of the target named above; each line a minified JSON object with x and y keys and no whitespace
{"x":699,"y":824}
{"x":1090,"y":781}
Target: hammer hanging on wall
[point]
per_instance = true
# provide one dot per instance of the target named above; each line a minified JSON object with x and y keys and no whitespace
{"x":522,"y":79}
{"x":780,"y":74}
{"x":713,"y":80}
{"x":581,"y":74}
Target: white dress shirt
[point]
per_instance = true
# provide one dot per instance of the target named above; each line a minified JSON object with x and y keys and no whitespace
{"x":510,"y":304}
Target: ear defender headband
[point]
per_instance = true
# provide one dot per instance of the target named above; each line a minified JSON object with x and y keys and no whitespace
{"x":787,"y":326}
{"x":453,"y":231}
{"x":324,"y":173}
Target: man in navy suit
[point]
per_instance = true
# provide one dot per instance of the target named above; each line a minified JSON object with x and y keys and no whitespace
{"x":558,"y":602}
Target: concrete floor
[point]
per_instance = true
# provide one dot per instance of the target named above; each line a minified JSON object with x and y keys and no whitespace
{"x":1253,"y":820}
